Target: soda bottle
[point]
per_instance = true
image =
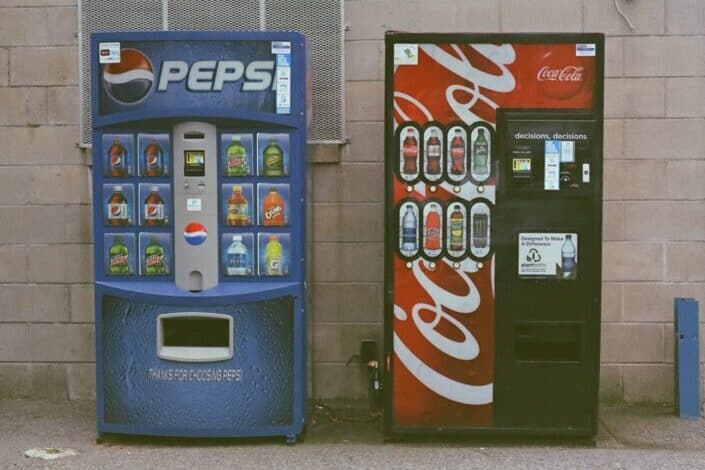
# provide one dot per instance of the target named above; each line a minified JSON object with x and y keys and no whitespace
{"x":480,"y":228}
{"x":457,"y":229}
{"x":480,"y":154}
{"x":410,"y":153}
{"x":432,"y":240}
{"x":457,"y":154}
{"x":117,"y":207}
{"x":408,"y":232}
{"x":117,"y":160}
{"x":433,"y":154}
{"x":273,"y":209}
{"x":154,"y":259}
{"x":568,"y":257}
{"x":154,"y":213}
{"x":118,"y":258}
{"x":153,"y":159}
{"x":273,"y":257}
{"x":238,"y":208}
{"x":237,"y":259}
{"x":236,"y":159}
{"x":273,"y":158}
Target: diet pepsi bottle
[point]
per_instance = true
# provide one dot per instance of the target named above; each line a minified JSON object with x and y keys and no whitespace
{"x":568,"y":258}
{"x":408,"y":231}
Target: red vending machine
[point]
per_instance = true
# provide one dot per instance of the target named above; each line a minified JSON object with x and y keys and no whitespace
{"x":493,"y":149}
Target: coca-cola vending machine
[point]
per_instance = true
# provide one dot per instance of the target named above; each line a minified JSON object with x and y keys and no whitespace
{"x":493,"y":149}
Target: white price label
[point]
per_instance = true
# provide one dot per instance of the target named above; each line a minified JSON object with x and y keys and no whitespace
{"x":194,"y":205}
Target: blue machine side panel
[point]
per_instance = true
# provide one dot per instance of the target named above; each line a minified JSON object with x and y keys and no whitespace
{"x":253,"y":389}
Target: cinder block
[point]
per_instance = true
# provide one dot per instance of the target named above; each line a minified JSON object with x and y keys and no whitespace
{"x":348,"y":302}
{"x":82,"y":306}
{"x":4,"y":67}
{"x":22,"y":106}
{"x":23,"y":27}
{"x":663,"y":56}
{"x":13,"y":263}
{"x":634,"y":179}
{"x":664,"y":220}
{"x":333,"y":381}
{"x":632,"y":343}
{"x":62,"y":220}
{"x":366,"y":142}
{"x":14,"y":342}
{"x":632,"y":261}
{"x":348,"y":182}
{"x":613,"y":139}
{"x":647,"y":17}
{"x":371,"y":18}
{"x":685,"y":96}
{"x":614,"y":56}
{"x":44,"y":66}
{"x":16,"y":185}
{"x":348,"y":222}
{"x":664,"y":139}
{"x":612,"y":294}
{"x":364,"y":101}
{"x":61,"y":184}
{"x":685,"y":261}
{"x":653,"y":302}
{"x":15,"y":381}
{"x":541,"y":15}
{"x":453,"y":16}
{"x":49,"y":382}
{"x":79,"y":223}
{"x":363,"y":60}
{"x":63,"y":25}
{"x":685,"y":17}
{"x":610,"y":383}
{"x":635,"y":97}
{"x":339,"y":342}
{"x":62,"y":105}
{"x":348,"y":262}
{"x":60,"y":263}
{"x":34,"y":303}
{"x":61,"y":343}
{"x":39,"y":145}
{"x":647,"y":383}
{"x":81,"y":381}
{"x":612,"y":220}
{"x":684,"y":179}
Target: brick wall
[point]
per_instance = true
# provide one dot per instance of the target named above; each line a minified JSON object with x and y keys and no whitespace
{"x":654,"y":210}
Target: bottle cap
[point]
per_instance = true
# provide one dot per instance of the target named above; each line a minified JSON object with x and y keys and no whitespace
{"x":273,"y":238}
{"x":154,"y":189}
{"x":237,"y":188}
{"x":237,"y":238}
{"x":117,"y":188}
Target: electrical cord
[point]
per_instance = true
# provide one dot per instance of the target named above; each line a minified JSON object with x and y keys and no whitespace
{"x":621,"y":13}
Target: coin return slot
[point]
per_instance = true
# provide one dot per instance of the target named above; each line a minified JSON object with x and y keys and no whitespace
{"x":546,"y":342}
{"x":193,"y":135}
{"x":194,"y":337}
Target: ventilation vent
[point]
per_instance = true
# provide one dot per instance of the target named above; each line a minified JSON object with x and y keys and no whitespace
{"x":321,"y":21}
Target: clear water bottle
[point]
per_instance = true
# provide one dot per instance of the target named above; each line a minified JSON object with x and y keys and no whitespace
{"x":568,"y":257}
{"x":408,"y":232}
{"x":237,"y":263}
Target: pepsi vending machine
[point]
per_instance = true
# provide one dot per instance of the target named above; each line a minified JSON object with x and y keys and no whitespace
{"x":493,"y":250}
{"x":199,"y":224}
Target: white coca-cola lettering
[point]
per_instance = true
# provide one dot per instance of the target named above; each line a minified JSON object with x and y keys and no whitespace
{"x":411,"y":150}
{"x":569,"y":73}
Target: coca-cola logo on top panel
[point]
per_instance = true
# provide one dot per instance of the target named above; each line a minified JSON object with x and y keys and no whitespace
{"x":561,"y":74}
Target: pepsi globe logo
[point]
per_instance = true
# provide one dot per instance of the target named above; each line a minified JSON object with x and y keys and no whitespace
{"x":195,"y":233}
{"x":115,"y":209}
{"x":115,"y":160}
{"x":130,"y":80}
{"x":152,"y":160}
{"x":152,"y":210}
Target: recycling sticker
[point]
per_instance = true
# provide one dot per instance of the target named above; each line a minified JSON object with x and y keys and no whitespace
{"x":548,"y":255}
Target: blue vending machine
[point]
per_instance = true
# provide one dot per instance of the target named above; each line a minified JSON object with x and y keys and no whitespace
{"x":199,"y":232}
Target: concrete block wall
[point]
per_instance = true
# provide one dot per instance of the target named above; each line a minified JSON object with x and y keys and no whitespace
{"x":654,"y":210}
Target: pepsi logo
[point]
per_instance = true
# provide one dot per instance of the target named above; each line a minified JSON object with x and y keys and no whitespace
{"x":130,"y":80}
{"x":152,"y":160}
{"x":195,"y":233}
{"x":152,"y":210}
{"x":115,"y":160}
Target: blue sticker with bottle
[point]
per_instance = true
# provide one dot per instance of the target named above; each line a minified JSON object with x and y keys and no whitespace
{"x":119,"y":254}
{"x":238,"y":254}
{"x":118,"y":151}
{"x":273,"y":251}
{"x":118,"y":204}
{"x":154,"y":155}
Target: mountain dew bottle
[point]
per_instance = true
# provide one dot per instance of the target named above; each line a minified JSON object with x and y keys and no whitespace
{"x":118,"y":258}
{"x":154,"y":260}
{"x":273,"y":257}
{"x":236,"y":159}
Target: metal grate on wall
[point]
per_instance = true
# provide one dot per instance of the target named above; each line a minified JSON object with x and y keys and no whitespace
{"x":321,"y":21}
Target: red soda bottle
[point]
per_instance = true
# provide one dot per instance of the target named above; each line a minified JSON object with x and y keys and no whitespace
{"x":433,"y":154}
{"x":432,"y":240}
{"x":457,"y":154}
{"x":153,"y":159}
{"x":410,"y":152}
{"x":117,"y":160}
{"x":154,"y":208}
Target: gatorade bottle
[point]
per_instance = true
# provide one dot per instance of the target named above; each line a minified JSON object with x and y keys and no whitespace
{"x":237,"y":260}
{"x":273,"y":257}
{"x":236,"y":159}
{"x":118,"y":258}
{"x":238,"y":208}
{"x":457,"y":229}
{"x":154,"y":259}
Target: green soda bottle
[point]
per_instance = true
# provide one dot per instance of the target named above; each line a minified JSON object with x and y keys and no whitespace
{"x":154,"y":260}
{"x":273,"y":254}
{"x":273,"y":157}
{"x":118,"y":258}
{"x":236,"y":159}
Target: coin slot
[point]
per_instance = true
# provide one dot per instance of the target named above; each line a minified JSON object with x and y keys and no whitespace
{"x":193,"y":135}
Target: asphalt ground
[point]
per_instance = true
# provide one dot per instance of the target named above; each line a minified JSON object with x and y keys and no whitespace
{"x":342,"y":436}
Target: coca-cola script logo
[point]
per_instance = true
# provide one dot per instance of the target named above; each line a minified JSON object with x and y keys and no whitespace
{"x":561,"y":76}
